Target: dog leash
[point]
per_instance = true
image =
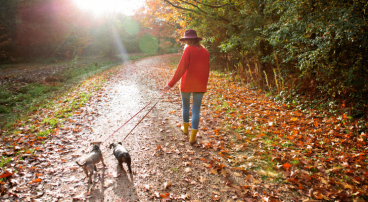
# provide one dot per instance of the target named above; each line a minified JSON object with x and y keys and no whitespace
{"x":162,"y":92}
{"x":141,"y":119}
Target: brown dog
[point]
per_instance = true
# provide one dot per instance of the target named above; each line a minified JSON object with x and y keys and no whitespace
{"x":90,"y":164}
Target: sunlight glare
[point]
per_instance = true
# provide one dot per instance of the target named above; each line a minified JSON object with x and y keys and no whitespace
{"x":98,"y":7}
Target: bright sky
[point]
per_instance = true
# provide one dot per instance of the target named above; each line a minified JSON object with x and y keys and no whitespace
{"x":98,"y":7}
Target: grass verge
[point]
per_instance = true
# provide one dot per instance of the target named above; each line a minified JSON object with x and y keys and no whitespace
{"x":34,"y":111}
{"x":18,"y":98}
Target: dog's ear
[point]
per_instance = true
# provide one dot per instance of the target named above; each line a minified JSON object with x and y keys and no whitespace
{"x":111,"y":145}
{"x":120,"y":143}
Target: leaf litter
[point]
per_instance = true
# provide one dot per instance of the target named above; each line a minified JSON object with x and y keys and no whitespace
{"x":249,"y":147}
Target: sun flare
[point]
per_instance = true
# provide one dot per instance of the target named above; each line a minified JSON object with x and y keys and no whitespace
{"x":98,"y":7}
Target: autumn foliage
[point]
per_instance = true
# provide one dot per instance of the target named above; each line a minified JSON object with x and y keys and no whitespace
{"x":316,"y":49}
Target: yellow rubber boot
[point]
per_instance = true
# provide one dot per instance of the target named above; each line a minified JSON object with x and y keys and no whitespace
{"x":193,"y":134}
{"x":184,"y":127}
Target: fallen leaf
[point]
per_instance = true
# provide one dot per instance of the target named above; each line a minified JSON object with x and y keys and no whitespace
{"x":167,"y":185}
{"x":108,"y":183}
{"x":252,"y":158}
{"x":165,"y":196}
{"x":183,"y":196}
{"x":6,"y":174}
{"x":35,"y":181}
{"x":237,"y":174}
{"x":188,"y":163}
{"x":286,"y":165}
{"x":158,"y":147}
{"x":223,"y":172}
{"x":216,"y":197}
{"x":213,"y":171}
{"x":82,"y":196}
{"x":202,"y":179}
{"x":187,"y":170}
{"x":216,"y":192}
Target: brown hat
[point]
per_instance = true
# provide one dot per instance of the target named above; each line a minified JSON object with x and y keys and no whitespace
{"x":190,"y":34}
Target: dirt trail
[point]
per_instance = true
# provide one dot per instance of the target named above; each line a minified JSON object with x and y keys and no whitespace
{"x":165,"y":166}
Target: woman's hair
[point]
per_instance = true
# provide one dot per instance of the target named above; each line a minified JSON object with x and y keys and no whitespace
{"x":192,"y":42}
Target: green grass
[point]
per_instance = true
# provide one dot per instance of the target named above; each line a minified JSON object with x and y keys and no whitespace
{"x":4,"y":161}
{"x":175,"y":169}
{"x":18,"y":99}
{"x":51,"y":121}
{"x":43,"y":133}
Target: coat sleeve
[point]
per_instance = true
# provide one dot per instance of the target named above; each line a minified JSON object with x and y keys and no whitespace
{"x":182,"y":68}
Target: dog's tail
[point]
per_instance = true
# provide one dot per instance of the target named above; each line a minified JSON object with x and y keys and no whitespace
{"x":80,"y":164}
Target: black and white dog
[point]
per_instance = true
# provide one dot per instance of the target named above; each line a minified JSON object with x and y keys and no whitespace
{"x":121,"y":154}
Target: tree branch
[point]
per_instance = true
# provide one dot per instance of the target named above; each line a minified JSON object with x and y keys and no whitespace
{"x":194,"y":11}
{"x":179,"y":7}
{"x":194,"y":6}
{"x":212,"y":5}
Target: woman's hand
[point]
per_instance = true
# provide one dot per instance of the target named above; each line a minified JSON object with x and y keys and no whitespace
{"x":167,"y":87}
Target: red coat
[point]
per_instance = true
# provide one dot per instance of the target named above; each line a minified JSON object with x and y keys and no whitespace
{"x":193,"y":69}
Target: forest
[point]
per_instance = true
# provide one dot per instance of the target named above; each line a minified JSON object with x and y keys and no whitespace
{"x":307,"y":48}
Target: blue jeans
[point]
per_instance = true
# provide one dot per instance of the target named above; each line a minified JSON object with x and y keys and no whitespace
{"x":197,"y":100}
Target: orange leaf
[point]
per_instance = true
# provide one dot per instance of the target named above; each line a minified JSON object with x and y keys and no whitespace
{"x":287,"y":165}
{"x":36,"y":180}
{"x":6,"y":174}
{"x":165,"y":195}
{"x":158,"y":147}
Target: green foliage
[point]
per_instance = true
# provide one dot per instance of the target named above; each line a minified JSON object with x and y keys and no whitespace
{"x":317,"y":49}
{"x":327,"y":46}
{"x":148,"y":44}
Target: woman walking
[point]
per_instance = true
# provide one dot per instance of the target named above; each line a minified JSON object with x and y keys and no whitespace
{"x":193,"y":70}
